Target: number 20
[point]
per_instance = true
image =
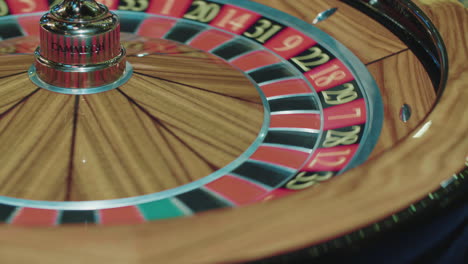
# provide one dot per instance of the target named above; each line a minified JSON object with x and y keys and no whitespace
{"x":204,"y":12}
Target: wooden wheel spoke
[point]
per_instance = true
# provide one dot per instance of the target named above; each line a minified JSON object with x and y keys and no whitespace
{"x":15,"y":104}
{"x":71,"y":164}
{"x":118,"y":163}
{"x":171,"y":129}
{"x":14,"y":65}
{"x":193,"y":100}
{"x":163,"y":53}
{"x":225,"y":117}
{"x":13,"y":75}
{"x":38,"y":136}
{"x":194,"y":87}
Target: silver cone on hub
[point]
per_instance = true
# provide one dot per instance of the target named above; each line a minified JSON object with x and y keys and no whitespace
{"x":80,"y":50}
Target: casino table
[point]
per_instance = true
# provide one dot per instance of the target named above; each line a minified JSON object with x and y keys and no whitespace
{"x":219,"y":131}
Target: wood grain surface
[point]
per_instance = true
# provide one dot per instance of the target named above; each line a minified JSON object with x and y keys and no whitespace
{"x":400,"y":175}
{"x":156,"y":132}
{"x":367,"y":39}
{"x":402,"y":80}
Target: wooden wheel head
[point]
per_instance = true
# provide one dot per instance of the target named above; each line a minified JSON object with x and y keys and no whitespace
{"x":169,"y":125}
{"x":407,"y":165}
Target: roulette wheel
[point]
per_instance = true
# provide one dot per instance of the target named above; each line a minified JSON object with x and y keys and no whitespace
{"x":199,"y":106}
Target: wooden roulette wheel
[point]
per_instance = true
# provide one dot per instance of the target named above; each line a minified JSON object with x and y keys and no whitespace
{"x":217,"y":104}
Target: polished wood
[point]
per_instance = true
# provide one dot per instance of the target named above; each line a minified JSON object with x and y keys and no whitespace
{"x":13,"y":89}
{"x":171,"y":124}
{"x":400,"y":76}
{"x":402,"y":80}
{"x":393,"y":180}
{"x":27,"y":158}
{"x":369,"y":40}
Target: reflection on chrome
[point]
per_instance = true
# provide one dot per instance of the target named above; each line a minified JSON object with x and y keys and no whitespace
{"x":423,"y":130}
{"x":324,"y":15}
